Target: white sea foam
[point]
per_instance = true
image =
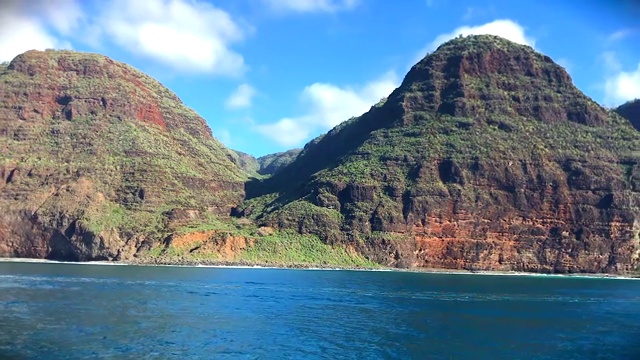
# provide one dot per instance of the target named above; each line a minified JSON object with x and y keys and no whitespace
{"x":418,"y":271}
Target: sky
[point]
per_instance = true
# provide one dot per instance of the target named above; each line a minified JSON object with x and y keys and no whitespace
{"x":270,"y":75}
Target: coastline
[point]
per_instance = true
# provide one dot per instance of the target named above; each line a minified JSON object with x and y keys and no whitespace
{"x":326,"y":267}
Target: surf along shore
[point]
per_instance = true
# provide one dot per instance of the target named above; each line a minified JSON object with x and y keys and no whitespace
{"x":268,"y":265}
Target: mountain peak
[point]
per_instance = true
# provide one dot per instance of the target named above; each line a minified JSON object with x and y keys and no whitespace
{"x":481,"y":42}
{"x":75,"y":85}
{"x":487,"y":77}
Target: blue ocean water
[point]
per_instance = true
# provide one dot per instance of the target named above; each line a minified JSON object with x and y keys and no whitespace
{"x":70,"y":311}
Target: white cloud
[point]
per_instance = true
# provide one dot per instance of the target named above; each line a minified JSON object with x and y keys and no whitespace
{"x":188,"y":35}
{"x":287,"y":131}
{"x":611,"y":62}
{"x":504,"y":28}
{"x":327,"y":106}
{"x":302,"y":6}
{"x":26,"y":25}
{"x":224,"y":136}
{"x":622,"y":86}
{"x":621,"y":34}
{"x":241,"y":97}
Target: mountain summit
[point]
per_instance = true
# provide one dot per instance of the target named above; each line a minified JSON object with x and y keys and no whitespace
{"x":99,"y":158}
{"x":486,"y":157}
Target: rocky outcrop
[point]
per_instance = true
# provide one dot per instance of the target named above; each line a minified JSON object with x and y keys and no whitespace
{"x":97,"y":155}
{"x":486,"y":157}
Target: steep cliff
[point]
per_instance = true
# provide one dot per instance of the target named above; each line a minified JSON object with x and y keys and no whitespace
{"x":486,"y":157}
{"x":99,"y":160}
{"x":631,"y":111}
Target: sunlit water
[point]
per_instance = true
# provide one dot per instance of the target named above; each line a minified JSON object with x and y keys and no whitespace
{"x":68,"y":311}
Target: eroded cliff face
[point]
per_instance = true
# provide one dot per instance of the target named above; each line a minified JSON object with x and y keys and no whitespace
{"x":97,"y":156}
{"x":486,"y":157}
{"x":515,"y":215}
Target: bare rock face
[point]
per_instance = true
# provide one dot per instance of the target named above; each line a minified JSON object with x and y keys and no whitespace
{"x":97,"y":156}
{"x":486,"y":157}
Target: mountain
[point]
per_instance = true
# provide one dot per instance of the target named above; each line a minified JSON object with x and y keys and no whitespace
{"x":486,"y":157}
{"x":101,"y":160}
{"x":265,"y":165}
{"x":246,"y":162}
{"x":272,"y":163}
{"x":631,"y":111}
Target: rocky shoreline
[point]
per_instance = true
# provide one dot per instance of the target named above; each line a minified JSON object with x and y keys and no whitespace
{"x":182,"y":262}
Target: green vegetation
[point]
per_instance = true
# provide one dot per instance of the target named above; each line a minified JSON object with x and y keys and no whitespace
{"x":272,"y":163}
{"x":263,"y":246}
{"x":294,"y":249}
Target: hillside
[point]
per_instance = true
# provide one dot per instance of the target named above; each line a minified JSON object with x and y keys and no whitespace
{"x":272,"y":163}
{"x":101,"y":160}
{"x":486,"y":157}
{"x":265,"y":165}
{"x":246,"y":162}
{"x":631,"y":112}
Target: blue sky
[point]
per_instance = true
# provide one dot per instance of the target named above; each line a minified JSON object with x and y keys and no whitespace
{"x":269,"y":75}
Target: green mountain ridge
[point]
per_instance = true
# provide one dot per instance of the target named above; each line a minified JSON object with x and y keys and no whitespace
{"x":484,"y":144}
{"x":485,"y":157}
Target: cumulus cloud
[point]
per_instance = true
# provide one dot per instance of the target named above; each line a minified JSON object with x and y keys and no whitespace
{"x":307,"y":6}
{"x":36,"y":25}
{"x":622,"y":86}
{"x":241,"y":97}
{"x":187,"y":35}
{"x":505,"y":28}
{"x":224,"y":136}
{"x":328,"y":105}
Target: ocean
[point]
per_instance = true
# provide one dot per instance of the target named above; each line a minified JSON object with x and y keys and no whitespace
{"x":86,"y":311}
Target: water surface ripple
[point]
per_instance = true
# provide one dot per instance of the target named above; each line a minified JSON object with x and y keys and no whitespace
{"x":69,"y":311}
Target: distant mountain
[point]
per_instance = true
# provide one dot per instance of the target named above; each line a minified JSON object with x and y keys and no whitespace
{"x":486,"y":157}
{"x":631,"y":112}
{"x":272,"y":163}
{"x":246,"y":162}
{"x":265,"y":165}
{"x":100,"y":160}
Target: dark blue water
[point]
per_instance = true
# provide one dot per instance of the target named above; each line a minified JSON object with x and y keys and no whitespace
{"x":65,"y":311}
